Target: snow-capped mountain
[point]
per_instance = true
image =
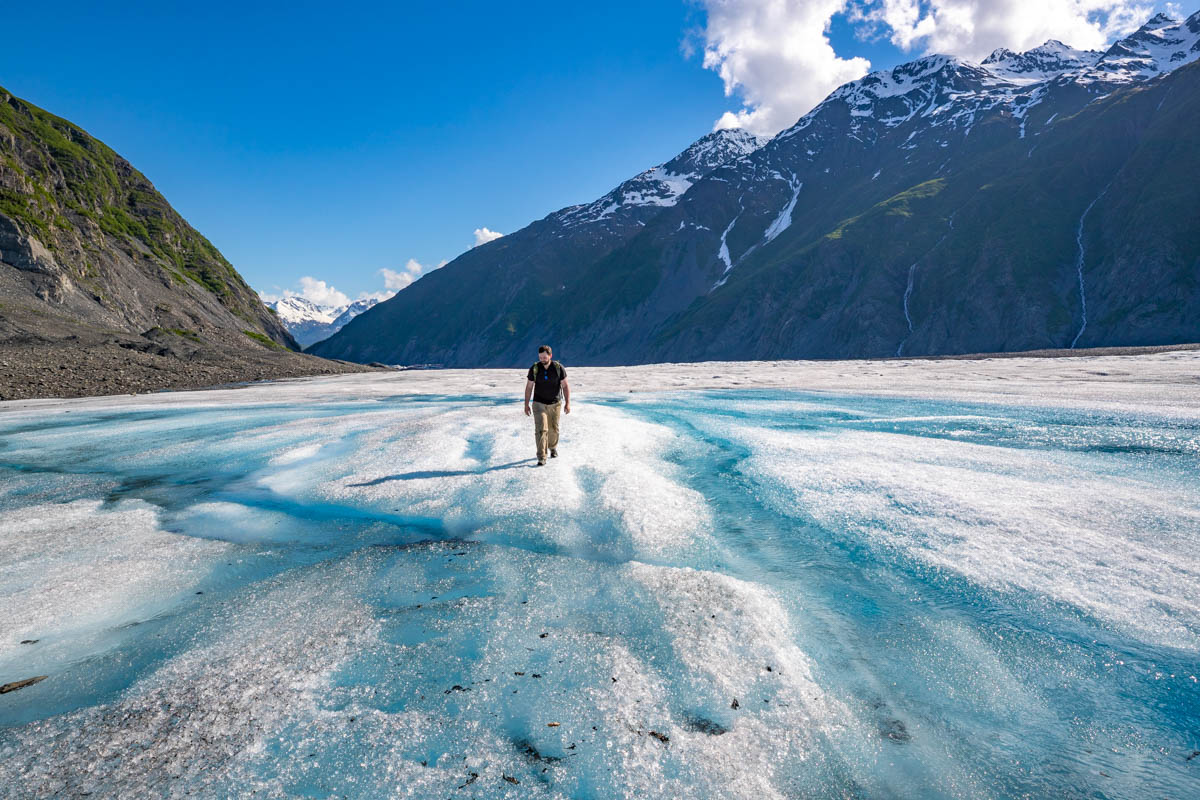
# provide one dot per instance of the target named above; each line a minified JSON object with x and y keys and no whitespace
{"x":510,"y":280}
{"x":295,"y":310}
{"x":954,"y":92}
{"x":1159,"y":46}
{"x":310,"y":322}
{"x":923,"y":113}
{"x":1036,"y":199}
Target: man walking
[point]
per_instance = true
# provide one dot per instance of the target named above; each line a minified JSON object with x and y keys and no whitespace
{"x":547,"y":380}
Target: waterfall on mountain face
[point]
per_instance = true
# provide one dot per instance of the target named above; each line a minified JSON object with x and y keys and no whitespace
{"x":907,"y":293}
{"x":1079,"y":265}
{"x":912,"y":272}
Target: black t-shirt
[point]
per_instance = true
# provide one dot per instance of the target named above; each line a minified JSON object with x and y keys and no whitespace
{"x":547,"y":382}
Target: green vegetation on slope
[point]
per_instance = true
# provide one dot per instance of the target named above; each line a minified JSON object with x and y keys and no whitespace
{"x":51,"y":170}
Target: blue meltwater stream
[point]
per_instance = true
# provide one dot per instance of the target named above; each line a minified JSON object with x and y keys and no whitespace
{"x":712,"y":594}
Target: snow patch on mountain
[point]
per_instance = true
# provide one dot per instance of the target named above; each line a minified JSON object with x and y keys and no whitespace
{"x":662,"y":186}
{"x":784,"y":220}
{"x":665,"y":189}
{"x":1159,"y":46}
{"x":1039,"y":64}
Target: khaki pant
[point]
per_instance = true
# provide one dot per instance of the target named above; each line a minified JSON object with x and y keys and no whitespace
{"x":545,"y":427}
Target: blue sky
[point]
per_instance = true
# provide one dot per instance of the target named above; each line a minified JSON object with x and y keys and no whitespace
{"x":334,"y":142}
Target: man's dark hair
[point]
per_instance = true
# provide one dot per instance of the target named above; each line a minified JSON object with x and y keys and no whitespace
{"x":545,"y":349}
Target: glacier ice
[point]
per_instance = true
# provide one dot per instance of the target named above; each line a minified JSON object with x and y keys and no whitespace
{"x":365,"y":591}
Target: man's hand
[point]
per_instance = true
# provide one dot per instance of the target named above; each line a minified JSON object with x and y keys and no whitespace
{"x":566,"y":408}
{"x":528,"y":412}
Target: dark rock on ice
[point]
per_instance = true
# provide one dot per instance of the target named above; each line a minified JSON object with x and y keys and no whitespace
{"x":895,"y":730}
{"x":705,"y":725}
{"x":12,"y":687}
{"x":527,"y":749}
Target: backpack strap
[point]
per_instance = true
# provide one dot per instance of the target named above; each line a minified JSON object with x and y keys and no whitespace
{"x":537,"y":369}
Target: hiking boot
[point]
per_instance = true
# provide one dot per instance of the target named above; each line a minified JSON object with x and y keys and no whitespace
{"x":554,"y":452}
{"x":541,"y":462}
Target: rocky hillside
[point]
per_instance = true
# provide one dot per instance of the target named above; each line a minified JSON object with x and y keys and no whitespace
{"x":104,"y":287}
{"x":1035,"y":200}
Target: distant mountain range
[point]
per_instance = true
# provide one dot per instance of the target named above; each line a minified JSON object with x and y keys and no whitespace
{"x":1044,"y":199}
{"x":310,"y":322}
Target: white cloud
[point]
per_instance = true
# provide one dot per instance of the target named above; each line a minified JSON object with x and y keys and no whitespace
{"x":776,"y":56}
{"x":318,"y":292}
{"x":321,"y":293}
{"x":483,"y":236}
{"x":974,"y":28}
{"x":394,"y":280}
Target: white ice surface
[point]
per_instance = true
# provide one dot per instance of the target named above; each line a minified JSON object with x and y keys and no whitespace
{"x":1006,"y":519}
{"x":71,"y":571}
{"x":259,"y":668}
{"x":1162,"y":383}
{"x":296,"y":676}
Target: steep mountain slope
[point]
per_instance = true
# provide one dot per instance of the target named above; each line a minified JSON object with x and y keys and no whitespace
{"x":1087,"y":238}
{"x":938,"y":207}
{"x":98,"y":274}
{"x":985,"y":172}
{"x":486,"y":309}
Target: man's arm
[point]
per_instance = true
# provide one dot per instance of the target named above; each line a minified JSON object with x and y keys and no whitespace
{"x":528,"y":392}
{"x":566,"y":396}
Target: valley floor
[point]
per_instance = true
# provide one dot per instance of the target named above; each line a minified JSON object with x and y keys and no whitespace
{"x":906,"y":578}
{"x":1165,"y":380}
{"x":122,"y":363}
